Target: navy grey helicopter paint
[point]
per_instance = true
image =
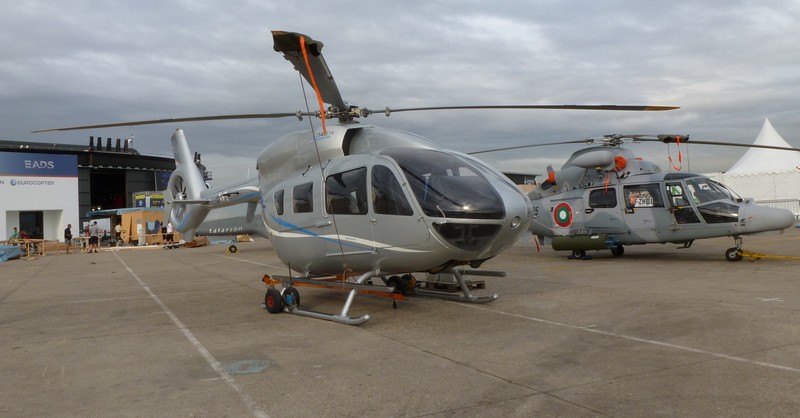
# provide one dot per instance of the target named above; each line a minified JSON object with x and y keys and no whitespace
{"x":360,"y":200}
{"x":605,"y":198}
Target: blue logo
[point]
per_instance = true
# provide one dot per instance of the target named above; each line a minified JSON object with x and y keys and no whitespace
{"x":13,"y":182}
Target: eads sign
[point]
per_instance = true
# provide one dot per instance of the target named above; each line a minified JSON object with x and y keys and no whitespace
{"x":562,"y":214}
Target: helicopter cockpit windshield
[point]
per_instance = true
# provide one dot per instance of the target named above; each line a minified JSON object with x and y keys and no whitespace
{"x":448,"y":186}
{"x":714,"y":201}
{"x":703,"y":190}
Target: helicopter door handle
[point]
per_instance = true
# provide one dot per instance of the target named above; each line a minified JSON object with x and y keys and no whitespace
{"x":589,"y":210}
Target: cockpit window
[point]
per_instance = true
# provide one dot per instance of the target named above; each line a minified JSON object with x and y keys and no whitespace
{"x":448,"y":186}
{"x":719,"y":212}
{"x":704,"y":190}
{"x":387,"y":195}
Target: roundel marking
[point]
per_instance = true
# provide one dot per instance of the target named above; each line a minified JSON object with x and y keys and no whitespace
{"x":563,"y":214}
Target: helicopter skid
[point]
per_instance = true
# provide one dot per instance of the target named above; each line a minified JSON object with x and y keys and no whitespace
{"x":463,"y":285}
{"x":342,"y":319}
{"x":288,"y":299}
{"x":289,"y":305}
{"x":464,"y":297}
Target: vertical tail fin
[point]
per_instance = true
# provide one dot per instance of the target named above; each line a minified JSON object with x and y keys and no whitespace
{"x":185,"y":184}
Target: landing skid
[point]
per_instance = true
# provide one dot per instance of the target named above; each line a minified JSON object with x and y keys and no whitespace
{"x":288,"y":299}
{"x":459,"y":283}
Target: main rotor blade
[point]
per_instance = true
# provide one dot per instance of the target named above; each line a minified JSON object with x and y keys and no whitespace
{"x":579,"y":141}
{"x":288,"y":43}
{"x":720,"y":144}
{"x":174,"y":120}
{"x":645,"y":108}
{"x":616,"y":140}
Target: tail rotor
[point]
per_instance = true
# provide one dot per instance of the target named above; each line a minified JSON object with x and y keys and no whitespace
{"x":185,"y":188}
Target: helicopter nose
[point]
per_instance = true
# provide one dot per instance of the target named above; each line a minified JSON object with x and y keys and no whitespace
{"x":760,"y":218}
{"x":516,"y":223}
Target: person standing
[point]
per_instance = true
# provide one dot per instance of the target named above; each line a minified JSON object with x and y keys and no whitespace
{"x":168,"y":238}
{"x":94,"y":237}
{"x":68,"y":237}
{"x":118,"y":234}
{"x":140,"y":233}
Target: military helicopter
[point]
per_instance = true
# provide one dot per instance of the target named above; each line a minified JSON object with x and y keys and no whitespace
{"x":351,"y":204}
{"x":604,"y":197}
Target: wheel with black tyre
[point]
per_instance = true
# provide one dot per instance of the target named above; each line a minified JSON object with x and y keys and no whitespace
{"x":232,"y":249}
{"x":578,"y":254}
{"x":291,"y":297}
{"x":733,"y":254}
{"x":618,"y":251}
{"x":409,"y":283}
{"x":395,"y":282}
{"x":273,"y":300}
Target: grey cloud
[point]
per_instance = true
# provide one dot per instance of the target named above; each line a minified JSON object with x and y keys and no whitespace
{"x":728,"y":64}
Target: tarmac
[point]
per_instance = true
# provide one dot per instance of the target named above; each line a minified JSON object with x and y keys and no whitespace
{"x":660,"y":331}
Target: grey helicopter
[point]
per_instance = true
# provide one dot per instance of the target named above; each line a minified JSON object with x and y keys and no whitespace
{"x":606,"y":198}
{"x":358,"y":206}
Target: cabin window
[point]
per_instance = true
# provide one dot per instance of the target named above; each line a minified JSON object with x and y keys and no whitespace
{"x":643,"y":196}
{"x":387,"y":195}
{"x":603,"y":198}
{"x":278,"y":197}
{"x":346,"y":193}
{"x":303,"y":198}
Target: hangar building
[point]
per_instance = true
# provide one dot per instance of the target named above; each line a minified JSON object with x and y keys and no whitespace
{"x":44,"y":187}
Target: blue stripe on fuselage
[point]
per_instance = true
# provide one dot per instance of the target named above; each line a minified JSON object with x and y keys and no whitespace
{"x":294,"y":227}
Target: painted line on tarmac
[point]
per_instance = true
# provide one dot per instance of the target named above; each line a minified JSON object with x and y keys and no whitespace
{"x":591,"y":328}
{"x":248,"y":261}
{"x":251,"y":405}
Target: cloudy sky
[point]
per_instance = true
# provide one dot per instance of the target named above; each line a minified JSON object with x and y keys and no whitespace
{"x":728,"y":64}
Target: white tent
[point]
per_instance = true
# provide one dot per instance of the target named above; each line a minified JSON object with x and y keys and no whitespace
{"x":768,"y":176}
{"x":760,"y":160}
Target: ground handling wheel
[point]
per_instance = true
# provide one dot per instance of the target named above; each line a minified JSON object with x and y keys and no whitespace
{"x":733,"y":254}
{"x":273,"y":300}
{"x":578,"y":255}
{"x":291,"y":298}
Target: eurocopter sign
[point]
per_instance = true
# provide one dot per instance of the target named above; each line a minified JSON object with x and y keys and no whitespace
{"x":45,"y":183}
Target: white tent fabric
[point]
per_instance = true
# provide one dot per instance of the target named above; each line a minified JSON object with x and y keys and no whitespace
{"x":760,"y":160}
{"x":769,"y":177}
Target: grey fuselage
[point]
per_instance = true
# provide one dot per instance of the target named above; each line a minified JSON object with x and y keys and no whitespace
{"x":594,"y":204}
{"x":359,"y":198}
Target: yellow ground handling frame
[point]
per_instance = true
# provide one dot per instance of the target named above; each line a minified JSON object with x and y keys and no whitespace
{"x":758,"y":256}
